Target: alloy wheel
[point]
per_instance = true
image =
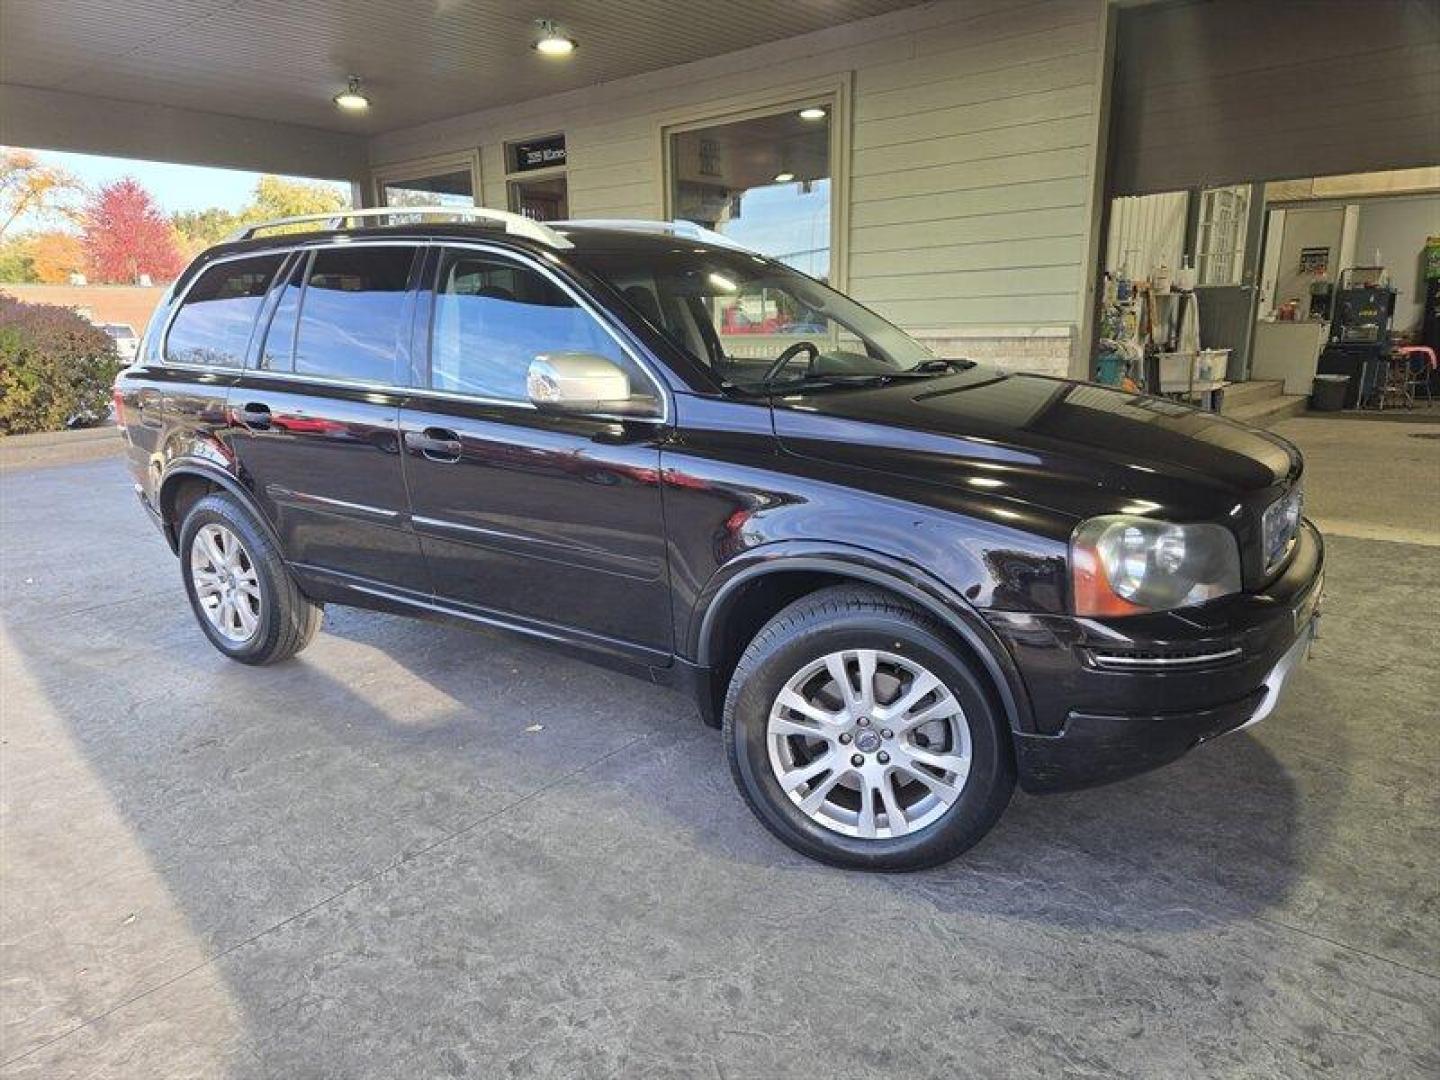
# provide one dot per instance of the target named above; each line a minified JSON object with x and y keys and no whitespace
{"x":226,"y":584}
{"x":869,"y":744}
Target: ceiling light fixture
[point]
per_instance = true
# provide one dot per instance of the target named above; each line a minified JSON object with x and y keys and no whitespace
{"x":351,"y":98}
{"x":814,"y":112}
{"x":552,"y":41}
{"x":784,"y":177}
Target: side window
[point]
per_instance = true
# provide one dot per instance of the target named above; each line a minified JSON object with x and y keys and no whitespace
{"x":216,"y":317}
{"x":492,"y":317}
{"x":278,"y":352}
{"x":353,"y":313}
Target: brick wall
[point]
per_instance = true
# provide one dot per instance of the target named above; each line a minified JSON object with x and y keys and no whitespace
{"x":1042,"y":349}
{"x":130,"y":304}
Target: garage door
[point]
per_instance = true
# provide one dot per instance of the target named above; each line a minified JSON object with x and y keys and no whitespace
{"x":1221,"y":91}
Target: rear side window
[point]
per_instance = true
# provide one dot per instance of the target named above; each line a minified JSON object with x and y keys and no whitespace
{"x":213,"y":325}
{"x":354,"y":314}
{"x":492,"y":317}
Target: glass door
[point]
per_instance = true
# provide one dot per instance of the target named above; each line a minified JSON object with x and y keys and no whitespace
{"x":535,"y":178}
{"x":540,"y":200}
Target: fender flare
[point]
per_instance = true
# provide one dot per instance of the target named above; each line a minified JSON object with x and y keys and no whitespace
{"x":192,"y":466}
{"x":861,"y":565}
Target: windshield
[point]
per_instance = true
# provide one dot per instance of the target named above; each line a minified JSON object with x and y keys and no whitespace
{"x":759,"y":325}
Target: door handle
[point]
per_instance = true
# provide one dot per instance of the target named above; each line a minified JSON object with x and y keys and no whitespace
{"x":437,"y":444}
{"x":256,"y":416}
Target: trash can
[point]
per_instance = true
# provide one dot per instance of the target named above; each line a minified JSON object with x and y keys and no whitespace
{"x":1328,"y":392}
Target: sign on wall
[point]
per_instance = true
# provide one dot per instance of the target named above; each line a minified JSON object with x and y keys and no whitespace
{"x":534,"y":154}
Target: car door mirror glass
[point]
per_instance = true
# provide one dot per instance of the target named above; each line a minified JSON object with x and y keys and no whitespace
{"x":583,"y":382}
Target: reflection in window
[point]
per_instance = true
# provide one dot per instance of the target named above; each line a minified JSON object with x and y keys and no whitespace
{"x":454,"y":188}
{"x":213,"y":325}
{"x":738,"y":314}
{"x":493,"y":317}
{"x":765,"y":182}
{"x":278,"y":353}
{"x":352,"y":313}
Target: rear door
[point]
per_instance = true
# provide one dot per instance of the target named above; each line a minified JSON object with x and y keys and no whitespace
{"x":175,"y":394}
{"x":316,"y":416}
{"x":546,"y":519}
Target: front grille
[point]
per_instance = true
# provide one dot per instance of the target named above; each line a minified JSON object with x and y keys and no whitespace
{"x":1280,"y":525}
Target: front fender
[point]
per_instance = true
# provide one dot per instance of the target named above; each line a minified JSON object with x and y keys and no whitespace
{"x":872,"y":568}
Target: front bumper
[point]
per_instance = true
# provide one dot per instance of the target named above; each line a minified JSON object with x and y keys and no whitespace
{"x":1117,"y":697}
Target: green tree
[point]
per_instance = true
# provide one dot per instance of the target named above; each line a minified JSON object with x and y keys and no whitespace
{"x":17,"y":261}
{"x":200,"y":229}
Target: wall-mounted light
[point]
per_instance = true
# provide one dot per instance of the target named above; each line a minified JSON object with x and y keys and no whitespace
{"x":551,"y":40}
{"x":351,"y":98}
{"x":814,"y":112}
{"x":784,"y":177}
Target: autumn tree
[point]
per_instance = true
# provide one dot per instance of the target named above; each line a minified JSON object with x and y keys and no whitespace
{"x":55,"y":255}
{"x":126,"y":235}
{"x":28,"y":186}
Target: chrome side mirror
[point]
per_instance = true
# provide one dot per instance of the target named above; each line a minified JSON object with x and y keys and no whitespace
{"x":577,"y":382}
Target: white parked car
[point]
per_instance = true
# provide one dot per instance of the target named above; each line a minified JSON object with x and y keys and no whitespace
{"x":127,"y":344}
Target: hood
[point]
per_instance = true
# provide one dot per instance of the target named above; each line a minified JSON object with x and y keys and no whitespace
{"x":1071,"y":448}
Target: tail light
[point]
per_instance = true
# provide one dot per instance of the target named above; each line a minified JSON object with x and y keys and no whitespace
{"x":118,"y":397}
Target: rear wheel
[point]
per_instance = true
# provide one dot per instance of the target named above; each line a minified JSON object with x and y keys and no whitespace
{"x":860,"y":737}
{"x":242,"y":594}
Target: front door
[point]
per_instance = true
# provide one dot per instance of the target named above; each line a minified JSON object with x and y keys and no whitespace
{"x":316,"y":416}
{"x":547,"y":521}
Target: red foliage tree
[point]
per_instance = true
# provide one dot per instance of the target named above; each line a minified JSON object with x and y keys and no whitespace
{"x":126,"y":235}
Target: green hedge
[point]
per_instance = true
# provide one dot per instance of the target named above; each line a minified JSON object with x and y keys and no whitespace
{"x":56,"y":369}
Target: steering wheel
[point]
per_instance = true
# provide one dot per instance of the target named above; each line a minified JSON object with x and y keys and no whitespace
{"x":789,"y":354}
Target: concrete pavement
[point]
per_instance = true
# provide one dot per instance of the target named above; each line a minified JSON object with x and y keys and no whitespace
{"x":362,"y":863}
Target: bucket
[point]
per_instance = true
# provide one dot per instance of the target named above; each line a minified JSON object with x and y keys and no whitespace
{"x":1328,"y":392}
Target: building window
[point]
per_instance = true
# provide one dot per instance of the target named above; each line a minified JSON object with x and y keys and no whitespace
{"x":764,"y":181}
{"x":1220,"y":244}
{"x":445,"y":181}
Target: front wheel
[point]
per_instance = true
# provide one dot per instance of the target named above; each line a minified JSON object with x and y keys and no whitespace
{"x":860,"y":737}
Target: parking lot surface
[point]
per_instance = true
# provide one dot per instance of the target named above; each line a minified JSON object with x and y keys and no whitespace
{"x":417,"y":851}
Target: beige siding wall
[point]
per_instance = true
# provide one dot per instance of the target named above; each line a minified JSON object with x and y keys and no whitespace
{"x":971,"y":145}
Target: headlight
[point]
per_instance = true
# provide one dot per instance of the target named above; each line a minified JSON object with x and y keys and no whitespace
{"x":1124,"y":565}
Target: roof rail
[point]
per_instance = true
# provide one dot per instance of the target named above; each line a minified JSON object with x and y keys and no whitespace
{"x":674,"y":228}
{"x":515,"y":224}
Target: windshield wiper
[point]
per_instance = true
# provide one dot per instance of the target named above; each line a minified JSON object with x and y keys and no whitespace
{"x":939,"y":366}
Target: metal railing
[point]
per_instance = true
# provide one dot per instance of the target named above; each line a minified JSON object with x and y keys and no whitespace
{"x":515,"y":224}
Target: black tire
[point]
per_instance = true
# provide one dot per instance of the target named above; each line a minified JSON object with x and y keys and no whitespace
{"x":848,"y":617}
{"x":288,"y":619}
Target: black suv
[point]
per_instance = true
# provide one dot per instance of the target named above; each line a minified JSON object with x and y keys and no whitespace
{"x":897,"y":583}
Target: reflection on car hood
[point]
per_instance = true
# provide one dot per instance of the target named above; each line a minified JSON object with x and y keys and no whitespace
{"x":1073,"y":448}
